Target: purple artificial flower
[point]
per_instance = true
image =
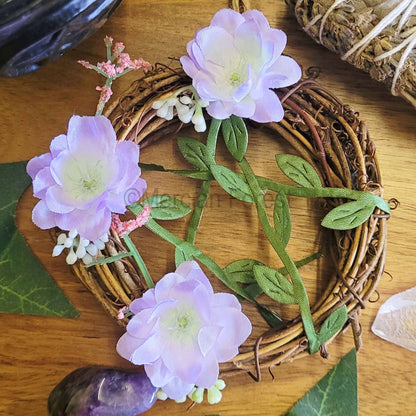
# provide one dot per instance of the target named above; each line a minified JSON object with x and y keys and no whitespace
{"x":235,"y":61}
{"x":84,"y":178}
{"x":181,"y":330}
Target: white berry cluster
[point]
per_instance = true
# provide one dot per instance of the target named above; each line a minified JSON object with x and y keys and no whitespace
{"x":214,"y":394}
{"x":79,"y":247}
{"x":186,"y":104}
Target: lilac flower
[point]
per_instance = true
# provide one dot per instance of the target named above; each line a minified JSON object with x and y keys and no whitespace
{"x":181,"y":330}
{"x":235,"y":61}
{"x":84,"y":178}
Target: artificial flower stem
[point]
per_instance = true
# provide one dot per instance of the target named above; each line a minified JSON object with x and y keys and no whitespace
{"x":101,"y":103}
{"x":214,"y":129}
{"x":136,"y":255}
{"x":346,"y":193}
{"x":198,"y":210}
{"x":206,"y":184}
{"x":298,"y":286}
{"x":269,"y":184}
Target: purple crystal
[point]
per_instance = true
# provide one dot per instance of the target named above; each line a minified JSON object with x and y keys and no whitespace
{"x":98,"y":391}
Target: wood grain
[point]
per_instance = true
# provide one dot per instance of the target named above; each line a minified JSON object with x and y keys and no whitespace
{"x":37,"y":352}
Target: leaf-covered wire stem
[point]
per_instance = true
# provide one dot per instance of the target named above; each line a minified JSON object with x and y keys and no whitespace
{"x":324,"y":192}
{"x":205,"y":185}
{"x":298,"y":286}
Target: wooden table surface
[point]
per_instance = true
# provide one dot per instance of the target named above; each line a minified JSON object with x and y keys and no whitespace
{"x":37,"y":352}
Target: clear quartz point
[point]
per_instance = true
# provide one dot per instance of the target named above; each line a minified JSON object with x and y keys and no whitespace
{"x":396,"y":320}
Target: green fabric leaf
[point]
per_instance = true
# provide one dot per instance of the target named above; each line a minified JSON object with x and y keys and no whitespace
{"x":271,"y":317}
{"x":333,"y":324}
{"x":334,"y":395}
{"x":382,"y":204}
{"x":253,"y":290}
{"x":25,"y":286}
{"x":274,"y":284}
{"x":349,"y":215}
{"x":235,"y":135}
{"x":165,"y":207}
{"x":281,"y":216}
{"x":299,"y":170}
{"x":195,"y":153}
{"x":232,"y":183}
{"x":181,"y":256}
{"x":242,"y":270}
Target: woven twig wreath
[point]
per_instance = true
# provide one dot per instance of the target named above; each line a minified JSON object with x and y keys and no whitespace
{"x":323,"y":131}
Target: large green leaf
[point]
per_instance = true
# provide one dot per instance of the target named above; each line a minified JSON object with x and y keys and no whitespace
{"x":166,"y":207}
{"x":274,"y":284}
{"x":232,"y":183}
{"x":25,"y":286}
{"x":235,"y":135}
{"x":350,"y":215}
{"x":299,"y":170}
{"x":195,"y":153}
{"x":334,"y":395}
{"x":281,"y":216}
{"x":242,"y":270}
{"x":333,"y":324}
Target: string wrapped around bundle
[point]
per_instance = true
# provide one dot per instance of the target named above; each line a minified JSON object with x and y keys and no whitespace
{"x":376,"y":36}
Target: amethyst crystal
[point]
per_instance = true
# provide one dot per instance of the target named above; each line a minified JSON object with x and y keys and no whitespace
{"x":98,"y":391}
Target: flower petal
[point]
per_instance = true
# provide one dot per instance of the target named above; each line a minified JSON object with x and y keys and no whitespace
{"x":149,"y":351}
{"x":158,"y":373}
{"x":192,"y":270}
{"x":183,"y":360}
{"x":91,"y":225}
{"x":176,"y":389}
{"x":188,"y":65}
{"x":43,"y":180}
{"x":164,"y":285}
{"x":128,"y":159}
{"x":57,"y":201}
{"x":209,"y":371}
{"x":218,"y":110}
{"x":58,"y":145}
{"x":268,"y":109}
{"x":258,"y":17}
{"x":42,"y":216}
{"x":217,"y":48}
{"x":142,"y":324}
{"x":236,"y":329}
{"x":228,"y":19}
{"x":127,"y":344}
{"x":91,"y":134}
{"x":244,"y":89}
{"x":37,"y":163}
{"x":207,"y":337}
{"x":287,"y":72}
{"x":223,"y":300}
{"x":146,"y":301}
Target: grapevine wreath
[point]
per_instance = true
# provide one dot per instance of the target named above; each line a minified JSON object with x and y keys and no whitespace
{"x":178,"y":328}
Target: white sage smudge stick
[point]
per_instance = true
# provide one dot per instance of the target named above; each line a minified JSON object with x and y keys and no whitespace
{"x":377,"y":36}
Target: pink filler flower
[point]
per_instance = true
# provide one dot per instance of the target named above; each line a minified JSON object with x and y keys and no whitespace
{"x":235,"y":61}
{"x":84,"y":178}
{"x":181,"y":330}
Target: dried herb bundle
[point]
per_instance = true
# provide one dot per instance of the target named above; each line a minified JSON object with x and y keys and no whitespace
{"x":377,"y":36}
